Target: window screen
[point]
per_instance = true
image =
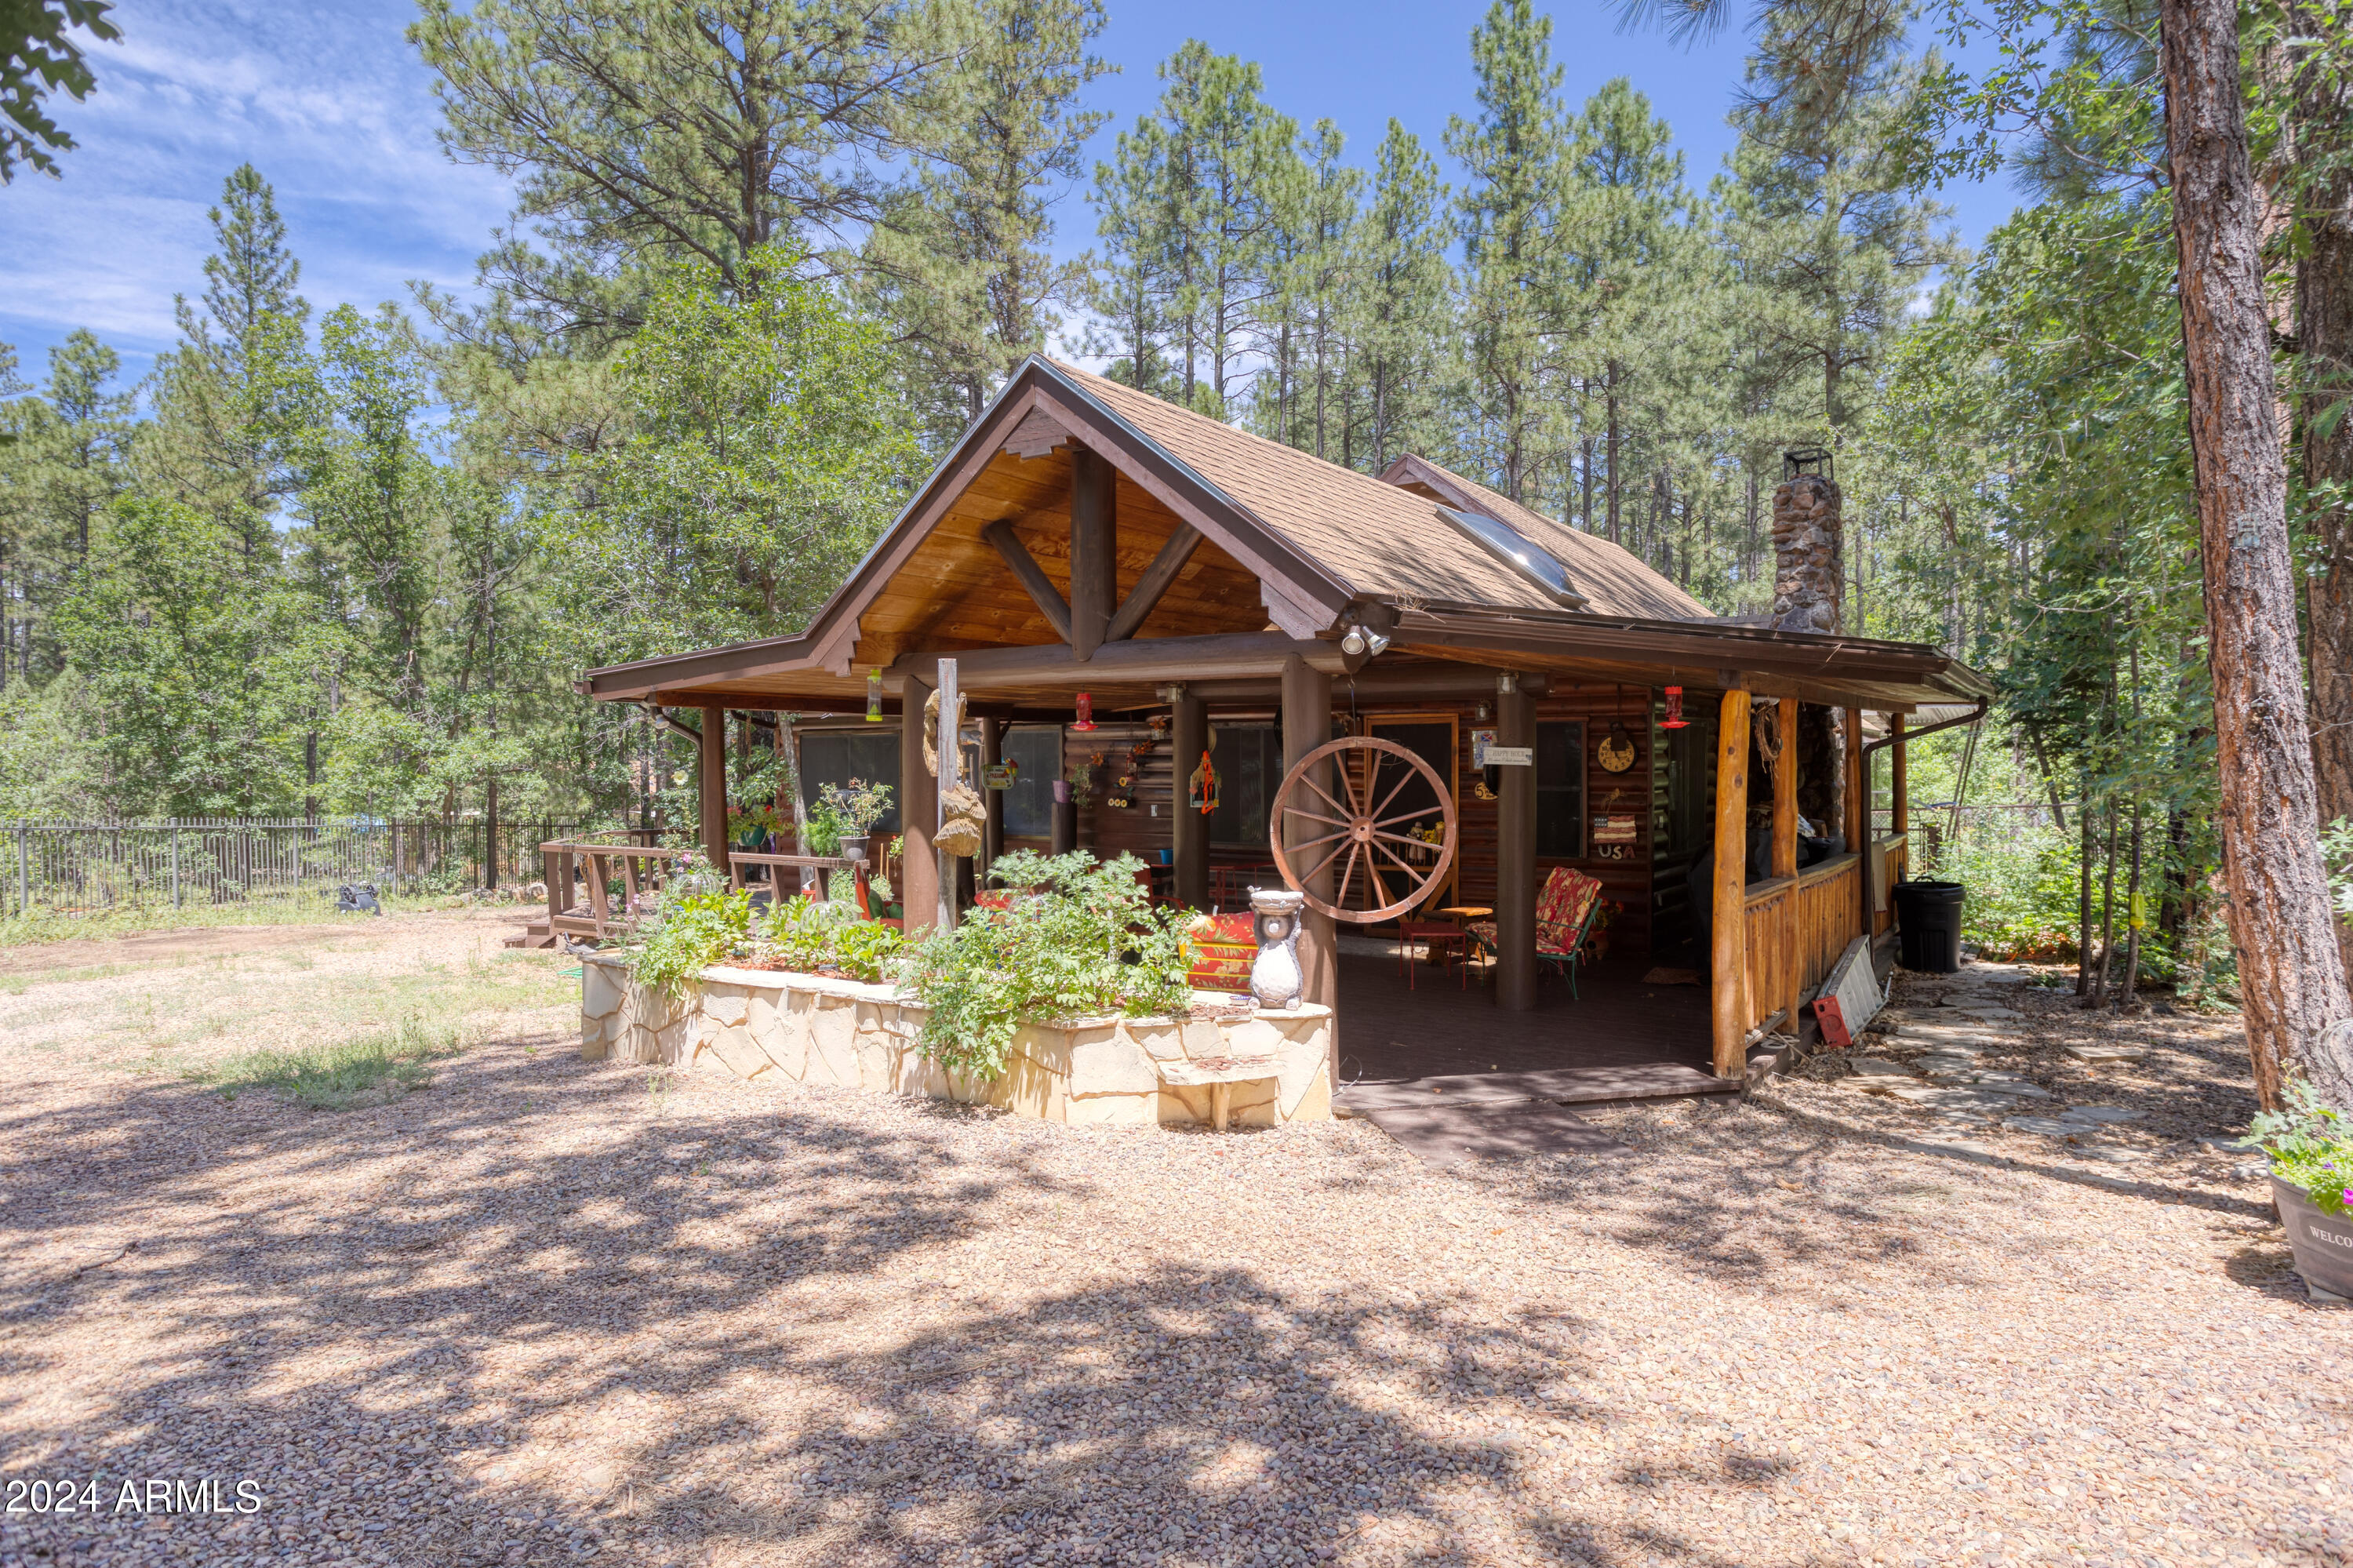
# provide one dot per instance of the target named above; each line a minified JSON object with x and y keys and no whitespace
{"x":835,"y":757}
{"x":1037,"y":751}
{"x":1249,"y":760}
{"x":1560,"y":790}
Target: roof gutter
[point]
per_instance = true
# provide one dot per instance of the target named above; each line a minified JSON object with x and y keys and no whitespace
{"x":1892,"y":737}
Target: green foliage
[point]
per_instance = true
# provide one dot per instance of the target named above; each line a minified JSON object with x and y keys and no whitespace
{"x":694,"y":931}
{"x":823,"y":827}
{"x":340,"y":1076}
{"x":857,"y":806}
{"x":39,"y":56}
{"x":1080,"y":939}
{"x":766,"y":446}
{"x":812,"y":935}
{"x":2309,"y":1146}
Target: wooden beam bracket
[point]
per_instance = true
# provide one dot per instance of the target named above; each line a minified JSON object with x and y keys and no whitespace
{"x":1157,"y":580}
{"x":1030,"y":574}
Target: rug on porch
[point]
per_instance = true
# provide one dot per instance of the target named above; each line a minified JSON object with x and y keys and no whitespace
{"x":1664,"y":975}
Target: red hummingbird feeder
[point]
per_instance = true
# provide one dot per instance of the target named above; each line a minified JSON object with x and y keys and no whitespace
{"x":1674,"y":719}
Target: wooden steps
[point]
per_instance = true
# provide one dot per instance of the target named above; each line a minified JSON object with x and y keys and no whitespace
{"x":1559,"y":1086}
{"x":536,"y":934}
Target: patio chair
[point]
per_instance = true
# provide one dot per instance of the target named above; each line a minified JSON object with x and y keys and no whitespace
{"x":1566,"y":910}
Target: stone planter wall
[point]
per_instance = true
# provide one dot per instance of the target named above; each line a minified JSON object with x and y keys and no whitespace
{"x":766,"y":1025}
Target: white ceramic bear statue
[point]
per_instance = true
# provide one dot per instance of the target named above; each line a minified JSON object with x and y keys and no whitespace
{"x":1275,"y":979}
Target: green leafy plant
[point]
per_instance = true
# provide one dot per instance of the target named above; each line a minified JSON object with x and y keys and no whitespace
{"x":814,"y":935}
{"x":2309,"y":1146}
{"x":1079,"y":938}
{"x":825,"y":827}
{"x":858,"y":805}
{"x":694,"y":932}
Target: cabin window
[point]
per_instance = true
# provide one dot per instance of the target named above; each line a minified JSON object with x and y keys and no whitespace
{"x":1560,"y":790}
{"x":1249,"y":760}
{"x":830,"y":757}
{"x":1036,"y":752}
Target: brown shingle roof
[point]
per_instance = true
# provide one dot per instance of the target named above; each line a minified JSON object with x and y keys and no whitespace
{"x":1611,"y":574}
{"x":1380,"y":539}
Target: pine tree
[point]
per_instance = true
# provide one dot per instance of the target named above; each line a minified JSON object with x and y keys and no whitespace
{"x":1510,"y":220}
{"x":959,"y":262}
{"x":1401,"y":316}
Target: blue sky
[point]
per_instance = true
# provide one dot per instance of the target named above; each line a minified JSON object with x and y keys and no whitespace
{"x":334,"y":109}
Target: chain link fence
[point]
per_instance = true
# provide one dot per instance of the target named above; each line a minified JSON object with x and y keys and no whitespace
{"x":63,"y":867}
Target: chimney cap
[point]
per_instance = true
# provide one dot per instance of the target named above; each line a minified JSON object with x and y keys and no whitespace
{"x":1806,"y":460}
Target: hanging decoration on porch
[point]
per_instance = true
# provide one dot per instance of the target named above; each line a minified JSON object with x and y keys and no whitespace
{"x":1086,"y":720}
{"x":1616,"y":752}
{"x":1674,"y":719}
{"x":1764,"y":728}
{"x":874,"y":695}
{"x":1357,"y":835}
{"x":1201,"y":792}
{"x":1000,"y":775}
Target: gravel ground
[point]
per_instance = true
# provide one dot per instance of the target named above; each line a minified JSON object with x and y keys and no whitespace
{"x":547,"y":1311}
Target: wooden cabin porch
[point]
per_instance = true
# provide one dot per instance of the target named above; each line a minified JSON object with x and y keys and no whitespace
{"x":1195,"y":589}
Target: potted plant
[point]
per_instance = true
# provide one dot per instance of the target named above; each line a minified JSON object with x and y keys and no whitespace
{"x":2310,"y":1149}
{"x":857,"y":807}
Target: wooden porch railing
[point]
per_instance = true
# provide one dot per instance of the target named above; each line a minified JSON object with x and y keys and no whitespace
{"x":600,"y":866}
{"x":1794,"y":929}
{"x":824,"y":866}
{"x":1894,"y":853}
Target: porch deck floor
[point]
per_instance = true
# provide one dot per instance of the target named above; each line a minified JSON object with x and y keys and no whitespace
{"x":1619,"y":1039}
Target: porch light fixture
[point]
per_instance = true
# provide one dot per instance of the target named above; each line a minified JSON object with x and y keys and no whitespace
{"x":1086,"y":713}
{"x":874,"y":695}
{"x":1362,"y":638}
{"x":1674,"y":719}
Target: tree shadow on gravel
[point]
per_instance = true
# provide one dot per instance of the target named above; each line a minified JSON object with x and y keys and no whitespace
{"x":548,"y":1311}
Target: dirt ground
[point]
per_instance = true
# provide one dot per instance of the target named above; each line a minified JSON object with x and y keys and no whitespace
{"x":549,"y":1311}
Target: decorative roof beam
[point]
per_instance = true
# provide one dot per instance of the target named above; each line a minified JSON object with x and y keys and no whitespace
{"x":1157,"y":580}
{"x":1030,"y":574}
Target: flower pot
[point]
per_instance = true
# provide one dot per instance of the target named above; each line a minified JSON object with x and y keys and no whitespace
{"x":851,"y":848}
{"x":2323,"y":1241}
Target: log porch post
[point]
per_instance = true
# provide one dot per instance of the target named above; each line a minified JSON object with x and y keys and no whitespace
{"x":1858,"y":816}
{"x":1728,"y":953}
{"x":712,"y":754}
{"x":1306,"y":725}
{"x":1785,"y":855}
{"x":992,"y":829}
{"x":1515,"y":854}
{"x":1094,"y":550}
{"x":919,"y":814}
{"x":1899,"y":791}
{"x":1189,"y":833}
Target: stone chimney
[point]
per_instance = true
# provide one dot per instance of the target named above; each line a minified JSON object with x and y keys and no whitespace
{"x":1809,"y":580}
{"x":1809,"y":550}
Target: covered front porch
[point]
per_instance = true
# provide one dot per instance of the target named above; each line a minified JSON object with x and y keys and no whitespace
{"x":1114,"y":588}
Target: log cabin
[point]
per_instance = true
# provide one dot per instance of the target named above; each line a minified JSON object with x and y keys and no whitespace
{"x":1227,"y":642}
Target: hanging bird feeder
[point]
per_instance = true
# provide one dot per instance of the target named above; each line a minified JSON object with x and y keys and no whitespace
{"x":874,"y":695}
{"x":1086,"y":720}
{"x":1674,"y":719}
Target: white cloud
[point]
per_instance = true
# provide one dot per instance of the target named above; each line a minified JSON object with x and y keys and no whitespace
{"x":327,"y":100}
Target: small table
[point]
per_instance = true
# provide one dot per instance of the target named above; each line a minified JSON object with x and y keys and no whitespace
{"x":1462,"y":914}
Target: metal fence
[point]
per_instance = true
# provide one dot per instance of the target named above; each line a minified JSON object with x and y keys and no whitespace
{"x":69,"y":867}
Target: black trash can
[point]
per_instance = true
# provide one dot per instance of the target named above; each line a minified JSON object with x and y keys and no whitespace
{"x":1928,"y":926}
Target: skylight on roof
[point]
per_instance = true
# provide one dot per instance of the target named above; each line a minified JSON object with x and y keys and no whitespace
{"x":1516,"y":549}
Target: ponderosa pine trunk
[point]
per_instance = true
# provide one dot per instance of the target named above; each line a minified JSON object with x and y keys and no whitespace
{"x":2292,"y":975}
{"x":2324,"y":333}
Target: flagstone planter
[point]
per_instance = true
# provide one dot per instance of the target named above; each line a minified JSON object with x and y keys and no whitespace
{"x":769,"y":1025}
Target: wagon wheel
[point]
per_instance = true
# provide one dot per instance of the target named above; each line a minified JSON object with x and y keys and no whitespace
{"x":1364,"y":830}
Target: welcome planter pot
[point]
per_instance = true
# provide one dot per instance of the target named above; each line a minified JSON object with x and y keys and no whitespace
{"x":2323,"y":1242}
{"x":782,"y":1026}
